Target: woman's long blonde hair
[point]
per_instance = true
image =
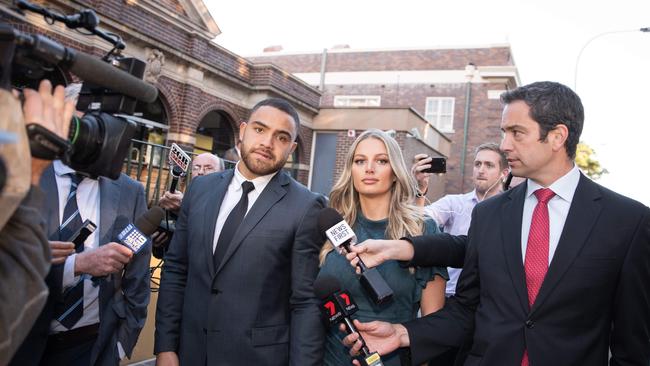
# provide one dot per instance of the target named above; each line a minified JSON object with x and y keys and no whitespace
{"x":404,"y":218}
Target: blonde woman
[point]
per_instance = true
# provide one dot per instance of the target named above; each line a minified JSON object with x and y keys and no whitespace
{"x":374,"y":195}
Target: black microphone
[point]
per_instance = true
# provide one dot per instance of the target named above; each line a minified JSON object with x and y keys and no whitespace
{"x":177,"y":172}
{"x":86,"y":19}
{"x":88,"y":68}
{"x":337,"y":307}
{"x":148,"y":221}
{"x":331,"y":223}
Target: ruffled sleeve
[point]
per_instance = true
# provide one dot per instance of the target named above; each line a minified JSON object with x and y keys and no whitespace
{"x":425,"y":274}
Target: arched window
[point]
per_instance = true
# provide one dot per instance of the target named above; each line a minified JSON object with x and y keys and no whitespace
{"x":215,"y":133}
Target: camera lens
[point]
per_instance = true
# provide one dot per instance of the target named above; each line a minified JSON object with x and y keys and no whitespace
{"x":86,"y":138}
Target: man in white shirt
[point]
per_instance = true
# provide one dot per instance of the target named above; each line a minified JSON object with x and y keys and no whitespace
{"x":99,"y":291}
{"x":237,"y":284}
{"x":453,"y":211}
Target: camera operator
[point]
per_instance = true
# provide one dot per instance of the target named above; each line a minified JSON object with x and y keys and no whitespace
{"x":98,"y":290}
{"x":24,"y":251}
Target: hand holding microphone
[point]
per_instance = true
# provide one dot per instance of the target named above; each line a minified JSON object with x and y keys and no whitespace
{"x":340,"y":234}
{"x":337,"y":308}
{"x":113,"y":257}
{"x":376,"y":252}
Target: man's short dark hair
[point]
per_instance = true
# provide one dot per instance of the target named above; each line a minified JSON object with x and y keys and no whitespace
{"x":491,"y":146}
{"x":284,"y":106}
{"x":551,"y":104}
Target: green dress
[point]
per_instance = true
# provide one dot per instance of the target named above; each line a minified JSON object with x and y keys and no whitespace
{"x":407,"y":290}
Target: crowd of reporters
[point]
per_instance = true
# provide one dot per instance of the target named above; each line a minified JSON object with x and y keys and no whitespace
{"x":382,"y":200}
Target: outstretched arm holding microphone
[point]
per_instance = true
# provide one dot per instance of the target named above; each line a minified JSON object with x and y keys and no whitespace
{"x":428,"y":250}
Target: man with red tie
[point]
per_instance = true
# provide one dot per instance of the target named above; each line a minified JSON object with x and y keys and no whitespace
{"x":557,"y":270}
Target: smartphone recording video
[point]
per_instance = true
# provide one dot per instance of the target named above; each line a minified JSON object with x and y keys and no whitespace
{"x":438,"y":165}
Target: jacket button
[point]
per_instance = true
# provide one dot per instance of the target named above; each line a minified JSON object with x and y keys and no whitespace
{"x":215,"y":291}
{"x":530,"y":324}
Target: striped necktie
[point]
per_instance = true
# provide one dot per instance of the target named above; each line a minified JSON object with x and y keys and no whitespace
{"x":69,"y":311}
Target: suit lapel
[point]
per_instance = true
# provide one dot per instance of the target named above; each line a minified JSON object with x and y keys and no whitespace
{"x":51,"y":193}
{"x":49,"y":187}
{"x":273,"y":192}
{"x":213,"y":204}
{"x":512,"y":211}
{"x":581,"y":218}
{"x":109,"y":201}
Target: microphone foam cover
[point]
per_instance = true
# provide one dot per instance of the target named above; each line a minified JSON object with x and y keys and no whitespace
{"x":149,"y":221}
{"x":327,"y":218}
{"x":326,"y":285}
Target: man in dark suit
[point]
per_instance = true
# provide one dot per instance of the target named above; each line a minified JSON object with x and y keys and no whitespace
{"x":556,"y":270}
{"x":237,"y":282}
{"x":103,"y":324}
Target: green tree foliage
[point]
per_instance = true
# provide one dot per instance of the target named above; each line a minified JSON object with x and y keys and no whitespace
{"x":587,"y":162}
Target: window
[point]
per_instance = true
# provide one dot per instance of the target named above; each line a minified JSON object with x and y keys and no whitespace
{"x":357,"y":101}
{"x":440,"y":113}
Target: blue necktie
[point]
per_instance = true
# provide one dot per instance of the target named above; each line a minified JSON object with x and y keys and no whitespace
{"x":69,"y":311}
{"x":232,"y":223}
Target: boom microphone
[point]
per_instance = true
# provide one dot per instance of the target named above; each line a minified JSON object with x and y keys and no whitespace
{"x":88,"y":68}
{"x":340,"y":234}
{"x":337,"y":307}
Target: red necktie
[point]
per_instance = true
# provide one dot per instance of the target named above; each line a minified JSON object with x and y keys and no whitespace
{"x":536,"y":262}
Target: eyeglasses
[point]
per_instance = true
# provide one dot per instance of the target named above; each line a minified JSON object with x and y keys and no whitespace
{"x":205,"y":168}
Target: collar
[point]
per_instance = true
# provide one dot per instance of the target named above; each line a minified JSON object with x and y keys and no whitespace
{"x":472,"y":196}
{"x":259,"y":182}
{"x":564,"y":187}
{"x":61,"y":169}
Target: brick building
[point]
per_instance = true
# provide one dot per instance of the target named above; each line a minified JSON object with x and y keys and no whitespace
{"x":449,"y":88}
{"x":204,"y":89}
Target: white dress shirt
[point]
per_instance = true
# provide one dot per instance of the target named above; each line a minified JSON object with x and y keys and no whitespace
{"x":558,"y":209}
{"x":233,"y":195}
{"x":88,"y":202}
{"x":454,"y":213}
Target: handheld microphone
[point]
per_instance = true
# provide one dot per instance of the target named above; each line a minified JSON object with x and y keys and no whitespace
{"x":337,"y":307}
{"x":135,"y":237}
{"x":340,"y":234}
{"x":177,"y":172}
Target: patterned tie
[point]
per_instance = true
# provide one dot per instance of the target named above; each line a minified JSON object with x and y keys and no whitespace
{"x":232,"y":223}
{"x":70,"y":310}
{"x":536,"y":262}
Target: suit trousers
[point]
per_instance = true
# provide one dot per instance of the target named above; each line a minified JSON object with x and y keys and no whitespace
{"x":78,"y":355}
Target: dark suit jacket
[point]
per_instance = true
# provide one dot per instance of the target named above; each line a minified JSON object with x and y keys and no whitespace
{"x":258,"y":307}
{"x":440,"y":249}
{"x":123,"y":299}
{"x":596,"y":293}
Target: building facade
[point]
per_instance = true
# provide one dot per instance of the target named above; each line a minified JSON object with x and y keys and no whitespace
{"x":455,"y":90}
{"x":205,"y":91}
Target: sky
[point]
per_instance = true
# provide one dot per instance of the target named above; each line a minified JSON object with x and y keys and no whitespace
{"x":546,"y":37}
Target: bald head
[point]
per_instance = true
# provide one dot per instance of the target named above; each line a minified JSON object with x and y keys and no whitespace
{"x":206,"y":163}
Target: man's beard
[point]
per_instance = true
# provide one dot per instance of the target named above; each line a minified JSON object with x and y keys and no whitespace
{"x":483,"y":189}
{"x":258,"y":167}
